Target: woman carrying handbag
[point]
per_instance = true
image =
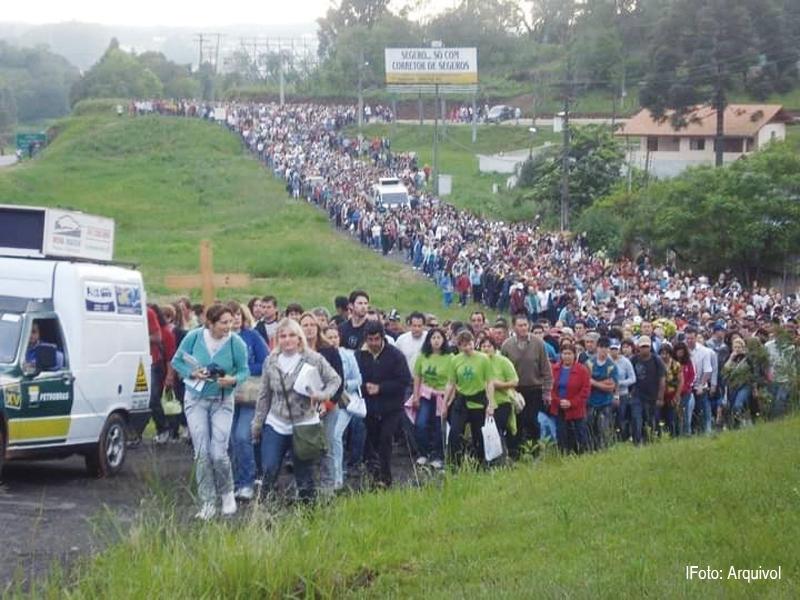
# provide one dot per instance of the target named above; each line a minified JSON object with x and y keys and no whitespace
{"x":295,"y":381}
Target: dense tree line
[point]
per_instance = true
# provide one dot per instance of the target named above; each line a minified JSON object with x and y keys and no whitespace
{"x":34,"y":84}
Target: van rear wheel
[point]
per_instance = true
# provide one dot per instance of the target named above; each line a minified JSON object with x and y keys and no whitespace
{"x":108,"y":456}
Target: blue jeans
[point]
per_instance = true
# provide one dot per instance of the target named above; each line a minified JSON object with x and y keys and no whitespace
{"x":210,"y":421}
{"x":274,"y":447}
{"x":327,"y":472}
{"x":428,"y":430}
{"x":358,"y":438}
{"x":573,"y":435}
{"x":687,"y":406}
{"x":703,"y":403}
{"x":780,"y":399}
{"x":740,"y":399}
{"x":600,"y":426}
{"x":244,"y":459}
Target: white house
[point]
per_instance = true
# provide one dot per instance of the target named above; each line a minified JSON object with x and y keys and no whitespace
{"x":662,"y":150}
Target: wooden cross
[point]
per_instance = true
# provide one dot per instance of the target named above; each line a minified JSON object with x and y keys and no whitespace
{"x":207,"y":280}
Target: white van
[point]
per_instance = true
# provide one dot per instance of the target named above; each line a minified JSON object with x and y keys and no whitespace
{"x":74,"y":356}
{"x":390,"y":192}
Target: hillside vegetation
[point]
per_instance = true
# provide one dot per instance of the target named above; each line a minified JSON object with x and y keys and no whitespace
{"x":622,"y":524}
{"x":169,"y":183}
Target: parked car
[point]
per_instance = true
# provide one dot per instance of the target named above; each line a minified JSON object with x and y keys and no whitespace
{"x":500,"y":113}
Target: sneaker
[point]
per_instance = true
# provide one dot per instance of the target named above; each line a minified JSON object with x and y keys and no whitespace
{"x":245,"y":493}
{"x":437,"y":464}
{"x":161,"y":438}
{"x":184,"y":434}
{"x":208,"y":512}
{"x":228,"y":504}
{"x":422,"y":461}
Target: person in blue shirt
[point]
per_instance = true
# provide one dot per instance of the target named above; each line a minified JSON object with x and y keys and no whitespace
{"x":604,"y":379}
{"x":36,"y":345}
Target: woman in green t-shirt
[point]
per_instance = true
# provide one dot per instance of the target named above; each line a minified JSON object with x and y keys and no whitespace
{"x":469,"y":395}
{"x":504,"y":381}
{"x":431,"y":371}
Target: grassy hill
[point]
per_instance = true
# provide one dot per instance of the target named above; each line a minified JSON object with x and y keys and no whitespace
{"x":169,"y":183}
{"x":621,"y":524}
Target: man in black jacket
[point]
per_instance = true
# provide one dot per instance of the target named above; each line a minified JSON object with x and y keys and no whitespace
{"x":386,"y":377}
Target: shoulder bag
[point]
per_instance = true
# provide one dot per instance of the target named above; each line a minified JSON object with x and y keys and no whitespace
{"x":308,"y":441}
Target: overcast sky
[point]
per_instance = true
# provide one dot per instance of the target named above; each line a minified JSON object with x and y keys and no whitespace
{"x":195,"y":13}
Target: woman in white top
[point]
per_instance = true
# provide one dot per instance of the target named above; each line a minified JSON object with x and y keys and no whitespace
{"x":280,"y":407}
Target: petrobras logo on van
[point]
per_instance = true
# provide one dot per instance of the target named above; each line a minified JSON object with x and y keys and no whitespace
{"x":12,"y":397}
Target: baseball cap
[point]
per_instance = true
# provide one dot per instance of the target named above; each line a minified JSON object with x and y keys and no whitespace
{"x":615,"y":344}
{"x":393,"y":315}
{"x":644,"y":341}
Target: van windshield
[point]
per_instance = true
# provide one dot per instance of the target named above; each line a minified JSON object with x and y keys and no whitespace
{"x":393,"y":198}
{"x":10,"y":330}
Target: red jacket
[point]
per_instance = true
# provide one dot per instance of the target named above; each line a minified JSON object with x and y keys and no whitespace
{"x":578,"y":388}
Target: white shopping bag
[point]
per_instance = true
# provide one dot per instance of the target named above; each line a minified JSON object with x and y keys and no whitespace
{"x":492,"y":444}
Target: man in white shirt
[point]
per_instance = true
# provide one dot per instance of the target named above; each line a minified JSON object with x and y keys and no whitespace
{"x":703,"y":368}
{"x":410,"y":342}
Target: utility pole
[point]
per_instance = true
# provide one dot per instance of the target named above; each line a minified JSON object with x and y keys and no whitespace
{"x":436,"y":142}
{"x":199,"y":40}
{"x":565,"y":199}
{"x":360,"y":90}
{"x":281,"y":77}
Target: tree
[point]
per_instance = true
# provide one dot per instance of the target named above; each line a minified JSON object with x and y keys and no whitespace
{"x":117,"y":75}
{"x":8,"y":113}
{"x":595,"y":165}
{"x":348,"y":13}
{"x":38,"y":81}
{"x":746,"y":214}
{"x":699,"y":52}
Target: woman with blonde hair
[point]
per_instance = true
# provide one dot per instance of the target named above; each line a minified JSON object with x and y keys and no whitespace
{"x":310,"y":325}
{"x":281,"y":410}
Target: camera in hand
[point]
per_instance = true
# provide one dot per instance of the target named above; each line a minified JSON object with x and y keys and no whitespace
{"x":214,"y":371}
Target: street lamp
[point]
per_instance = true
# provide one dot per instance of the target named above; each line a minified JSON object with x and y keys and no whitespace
{"x":361,"y":65}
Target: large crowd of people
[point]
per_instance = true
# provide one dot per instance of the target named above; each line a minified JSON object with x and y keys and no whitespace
{"x":595,"y":351}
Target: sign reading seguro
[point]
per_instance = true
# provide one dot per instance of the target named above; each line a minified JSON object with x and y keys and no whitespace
{"x":451,"y":66}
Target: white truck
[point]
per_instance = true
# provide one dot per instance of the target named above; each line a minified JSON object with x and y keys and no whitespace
{"x":390,"y":192}
{"x":74,"y":345}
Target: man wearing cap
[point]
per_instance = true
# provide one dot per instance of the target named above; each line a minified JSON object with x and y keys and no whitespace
{"x":529,"y":357}
{"x":604,"y":379}
{"x":649,"y":388}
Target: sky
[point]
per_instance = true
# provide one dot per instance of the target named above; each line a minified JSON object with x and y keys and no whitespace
{"x":196,"y":13}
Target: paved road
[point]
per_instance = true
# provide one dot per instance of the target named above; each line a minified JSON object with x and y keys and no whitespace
{"x":7,"y":160}
{"x":53,"y":511}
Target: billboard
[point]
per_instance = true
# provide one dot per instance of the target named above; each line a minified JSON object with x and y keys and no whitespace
{"x":35,"y":231}
{"x":449,"y":66}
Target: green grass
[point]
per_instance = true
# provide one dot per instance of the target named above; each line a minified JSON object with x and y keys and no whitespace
{"x":169,"y":183}
{"x":620,"y":524}
{"x":472,"y":190}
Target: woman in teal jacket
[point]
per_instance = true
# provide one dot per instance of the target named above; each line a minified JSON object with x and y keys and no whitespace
{"x":212,"y":361}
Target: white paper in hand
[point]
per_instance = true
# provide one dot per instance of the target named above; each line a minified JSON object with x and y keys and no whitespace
{"x":308,"y":381}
